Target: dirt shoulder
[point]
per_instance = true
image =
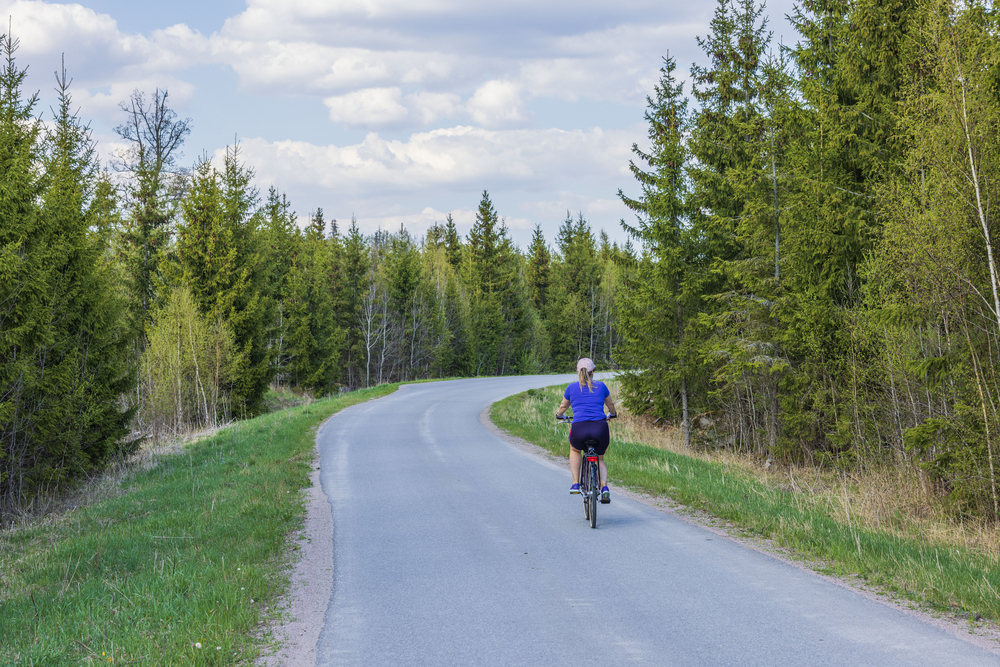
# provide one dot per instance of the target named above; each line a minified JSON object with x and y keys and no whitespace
{"x":303,"y":609}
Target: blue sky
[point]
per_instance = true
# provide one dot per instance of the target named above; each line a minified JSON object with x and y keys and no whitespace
{"x":395,"y":111}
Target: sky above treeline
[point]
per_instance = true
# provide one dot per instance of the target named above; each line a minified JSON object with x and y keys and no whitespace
{"x":394,"y":111}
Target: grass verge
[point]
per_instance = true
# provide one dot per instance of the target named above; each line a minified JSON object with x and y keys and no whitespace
{"x":179,"y":566}
{"x":946,"y":577}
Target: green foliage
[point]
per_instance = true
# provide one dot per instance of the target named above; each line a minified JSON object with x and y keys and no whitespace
{"x":154,"y":136}
{"x":219,"y":258}
{"x":657,"y":316}
{"x":191,"y":549}
{"x":499,"y":312}
{"x":64,"y":361}
{"x":314,"y":340}
{"x":943,"y":576}
{"x":817,"y":246}
{"x":186,"y":368}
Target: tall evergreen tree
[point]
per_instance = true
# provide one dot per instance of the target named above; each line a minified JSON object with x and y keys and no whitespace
{"x":453,"y":243}
{"x":498,"y":308}
{"x":573,"y":294}
{"x":218,"y":250}
{"x":662,"y":295}
{"x":538,"y":269}
{"x":314,"y":337}
{"x":280,"y":244}
{"x":63,"y":348}
{"x":24,"y":278}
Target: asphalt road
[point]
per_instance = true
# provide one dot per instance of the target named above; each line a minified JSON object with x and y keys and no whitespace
{"x":453,"y":547}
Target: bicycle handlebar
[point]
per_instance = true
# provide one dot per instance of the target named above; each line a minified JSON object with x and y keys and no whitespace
{"x":565,"y":420}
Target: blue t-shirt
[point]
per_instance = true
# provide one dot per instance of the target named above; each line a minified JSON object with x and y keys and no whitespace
{"x":587,"y":406}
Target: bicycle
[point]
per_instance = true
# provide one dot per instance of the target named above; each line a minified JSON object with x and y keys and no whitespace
{"x":590,"y":481}
{"x":590,"y":477}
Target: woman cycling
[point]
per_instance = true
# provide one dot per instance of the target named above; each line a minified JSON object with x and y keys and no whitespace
{"x":588,"y":398}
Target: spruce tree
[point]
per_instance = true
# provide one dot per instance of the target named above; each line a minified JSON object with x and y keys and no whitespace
{"x":219,"y":255}
{"x":662,"y":293}
{"x":24,"y":279}
{"x":538,"y":269}
{"x":573,"y":293}
{"x":498,"y":302}
{"x":64,"y":345}
{"x":356,"y":264}
{"x":313,"y":338}
{"x":453,"y":243}
{"x":280,"y":244}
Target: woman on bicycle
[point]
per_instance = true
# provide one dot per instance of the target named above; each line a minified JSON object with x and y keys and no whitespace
{"x":588,"y":399}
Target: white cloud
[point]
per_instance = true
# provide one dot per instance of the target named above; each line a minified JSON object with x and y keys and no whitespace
{"x":387,"y":107}
{"x":371,"y":106}
{"x":430,"y":107}
{"x":498,"y":104}
{"x":460,"y":157}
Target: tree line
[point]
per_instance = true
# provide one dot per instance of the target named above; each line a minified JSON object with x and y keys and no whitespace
{"x":813,"y":276}
{"x":150,"y":298}
{"x":817,"y":277}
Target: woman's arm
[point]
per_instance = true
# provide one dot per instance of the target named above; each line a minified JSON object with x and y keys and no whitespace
{"x":563,"y":407}
{"x":611,"y":405}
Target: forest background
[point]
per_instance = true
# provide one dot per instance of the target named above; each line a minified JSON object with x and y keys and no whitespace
{"x":811,"y":274}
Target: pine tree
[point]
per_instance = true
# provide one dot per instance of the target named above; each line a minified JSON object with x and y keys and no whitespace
{"x":453,"y":243}
{"x":314,"y":338}
{"x":663,"y":293}
{"x":538,"y":269}
{"x":64,"y":342}
{"x":218,"y":250}
{"x":355,"y":275}
{"x":573,"y":293}
{"x":23,"y":279}
{"x":498,"y":303}
{"x":280,"y":244}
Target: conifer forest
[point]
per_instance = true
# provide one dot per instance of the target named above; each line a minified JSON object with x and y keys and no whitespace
{"x":810,"y":275}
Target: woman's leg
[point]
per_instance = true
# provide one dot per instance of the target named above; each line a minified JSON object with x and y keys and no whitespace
{"x":603,"y":467}
{"x":575,"y":458}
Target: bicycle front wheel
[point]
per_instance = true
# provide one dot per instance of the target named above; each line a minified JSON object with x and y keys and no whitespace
{"x":595,"y":490}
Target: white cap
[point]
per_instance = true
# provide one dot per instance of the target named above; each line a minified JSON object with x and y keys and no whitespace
{"x":585,"y":363}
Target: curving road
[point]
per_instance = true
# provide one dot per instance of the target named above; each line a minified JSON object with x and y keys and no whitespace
{"x":453,"y":547}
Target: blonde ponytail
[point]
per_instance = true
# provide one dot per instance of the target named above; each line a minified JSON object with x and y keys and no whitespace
{"x":584,"y":377}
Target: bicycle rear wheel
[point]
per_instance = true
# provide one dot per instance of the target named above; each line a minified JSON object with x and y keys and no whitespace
{"x":594,"y":492}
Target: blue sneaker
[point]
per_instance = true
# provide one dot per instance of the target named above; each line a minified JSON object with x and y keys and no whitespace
{"x":605,"y":496}
{"x":575,"y":489}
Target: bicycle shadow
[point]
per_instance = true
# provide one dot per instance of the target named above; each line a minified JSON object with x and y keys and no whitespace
{"x":611,"y":519}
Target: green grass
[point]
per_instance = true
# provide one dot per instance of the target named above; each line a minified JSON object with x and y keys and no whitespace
{"x":188,"y":552}
{"x":952,"y":579}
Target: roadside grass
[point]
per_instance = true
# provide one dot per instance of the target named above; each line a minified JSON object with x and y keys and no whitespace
{"x":821,"y":527}
{"x":178,"y":565}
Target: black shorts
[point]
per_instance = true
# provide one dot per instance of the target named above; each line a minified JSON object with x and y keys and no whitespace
{"x":598,"y":430}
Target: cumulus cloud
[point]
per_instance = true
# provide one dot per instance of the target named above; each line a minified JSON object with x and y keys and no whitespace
{"x":387,"y":107}
{"x":371,"y":106}
{"x":387,"y":65}
{"x":460,"y":157}
{"x":498,"y":104}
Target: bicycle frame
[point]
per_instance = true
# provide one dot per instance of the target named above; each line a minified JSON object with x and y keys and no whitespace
{"x":590,"y":483}
{"x":590,"y":477}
